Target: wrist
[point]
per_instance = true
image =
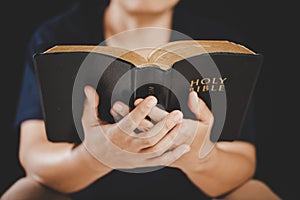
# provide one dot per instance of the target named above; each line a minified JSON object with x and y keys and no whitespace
{"x":203,"y":161}
{"x":90,"y":161}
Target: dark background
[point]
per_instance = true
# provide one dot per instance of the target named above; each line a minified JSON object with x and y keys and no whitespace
{"x":267,"y":31}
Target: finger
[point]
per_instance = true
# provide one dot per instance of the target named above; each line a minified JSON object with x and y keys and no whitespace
{"x":199,"y":108}
{"x":164,"y":144}
{"x":160,"y":130}
{"x":90,"y":112}
{"x":145,"y":125}
{"x":137,"y":101}
{"x":132,"y":120}
{"x":156,"y":114}
{"x":120,"y":110}
{"x":170,"y":156}
{"x":187,"y":133}
{"x":115,"y":115}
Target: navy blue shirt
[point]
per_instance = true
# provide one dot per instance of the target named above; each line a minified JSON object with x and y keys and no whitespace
{"x":83,"y":24}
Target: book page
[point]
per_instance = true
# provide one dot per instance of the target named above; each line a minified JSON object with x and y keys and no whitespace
{"x":163,"y":57}
{"x":124,"y":54}
{"x":174,"y":51}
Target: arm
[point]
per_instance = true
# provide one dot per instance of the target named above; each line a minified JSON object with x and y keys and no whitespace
{"x":218,"y":168}
{"x":224,"y":166}
{"x":67,"y":169}
{"x":56,"y":165}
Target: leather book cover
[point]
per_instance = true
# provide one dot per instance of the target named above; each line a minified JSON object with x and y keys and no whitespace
{"x":121,"y":80}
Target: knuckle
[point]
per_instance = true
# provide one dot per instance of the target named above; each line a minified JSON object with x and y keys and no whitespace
{"x":126,"y":124}
{"x":145,"y":142}
{"x":142,"y":109}
{"x":168,"y":125}
{"x":122,"y":141}
{"x":131,"y":145}
{"x":210,"y":119}
{"x":201,"y":104}
{"x":156,"y":152}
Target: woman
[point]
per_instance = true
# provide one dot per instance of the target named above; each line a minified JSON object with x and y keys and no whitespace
{"x":63,"y":170}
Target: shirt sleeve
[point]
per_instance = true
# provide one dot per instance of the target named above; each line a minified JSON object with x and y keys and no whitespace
{"x":29,"y":106}
{"x":29,"y":102}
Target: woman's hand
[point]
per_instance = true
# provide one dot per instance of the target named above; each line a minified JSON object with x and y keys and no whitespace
{"x":119,"y":147}
{"x":195,"y":133}
{"x":214,"y":168}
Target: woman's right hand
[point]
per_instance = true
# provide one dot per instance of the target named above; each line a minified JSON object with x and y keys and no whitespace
{"x":119,"y":147}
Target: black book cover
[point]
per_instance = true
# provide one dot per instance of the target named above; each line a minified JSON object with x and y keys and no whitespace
{"x":62,"y":97}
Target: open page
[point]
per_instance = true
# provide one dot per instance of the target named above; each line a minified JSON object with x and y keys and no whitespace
{"x":172,"y":52}
{"x":124,"y":54}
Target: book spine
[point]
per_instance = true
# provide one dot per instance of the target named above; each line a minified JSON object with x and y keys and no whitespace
{"x":152,"y":81}
{"x":167,"y":83}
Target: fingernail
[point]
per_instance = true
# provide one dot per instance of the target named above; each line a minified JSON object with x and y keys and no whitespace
{"x":118,"y":107}
{"x":151,"y":102}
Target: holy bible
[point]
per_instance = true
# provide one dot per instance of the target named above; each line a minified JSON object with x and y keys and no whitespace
{"x":223,"y":74}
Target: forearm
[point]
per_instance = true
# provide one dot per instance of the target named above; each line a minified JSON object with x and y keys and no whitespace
{"x":62,"y":167}
{"x":227,"y":166}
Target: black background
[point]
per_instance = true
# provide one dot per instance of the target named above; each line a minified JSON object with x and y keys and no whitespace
{"x":268,"y":31}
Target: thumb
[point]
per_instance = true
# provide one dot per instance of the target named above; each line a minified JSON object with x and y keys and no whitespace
{"x":90,"y":111}
{"x":199,"y":108}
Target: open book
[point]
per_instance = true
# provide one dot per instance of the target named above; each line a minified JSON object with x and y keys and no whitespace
{"x":223,"y":74}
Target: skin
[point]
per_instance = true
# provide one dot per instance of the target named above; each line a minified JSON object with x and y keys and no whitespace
{"x":42,"y":158}
{"x":206,"y":164}
{"x":126,"y":15}
{"x":209,"y":169}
